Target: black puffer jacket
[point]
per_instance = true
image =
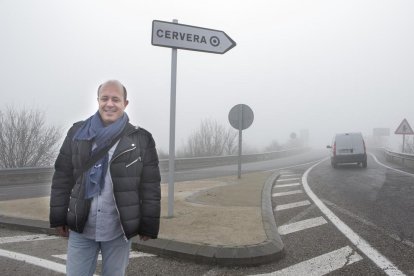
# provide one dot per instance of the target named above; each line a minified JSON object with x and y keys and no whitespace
{"x":136,"y":183}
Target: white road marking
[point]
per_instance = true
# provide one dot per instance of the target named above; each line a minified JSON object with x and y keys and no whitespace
{"x":281,"y":170}
{"x":132,"y":254}
{"x":287,"y":193}
{"x":301,"y":225}
{"x":284,"y":172}
{"x":381,"y":261}
{"x":286,"y":185}
{"x":290,"y":175}
{"x":303,"y":214}
{"x":369,"y":223}
{"x":292,"y":205}
{"x":34,"y":261}
{"x":391,"y":168}
{"x":287,"y":179}
{"x":215,"y":271}
{"x":322,"y":264}
{"x":40,"y":237}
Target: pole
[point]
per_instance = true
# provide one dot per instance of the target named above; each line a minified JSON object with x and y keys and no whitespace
{"x":171,"y":161}
{"x":403,"y":143}
{"x":240,"y":141}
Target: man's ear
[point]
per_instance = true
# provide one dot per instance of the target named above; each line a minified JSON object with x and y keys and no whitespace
{"x":126,"y":103}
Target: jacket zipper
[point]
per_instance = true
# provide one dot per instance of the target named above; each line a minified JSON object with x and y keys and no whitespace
{"x":113,"y":194}
{"x":133,"y":162}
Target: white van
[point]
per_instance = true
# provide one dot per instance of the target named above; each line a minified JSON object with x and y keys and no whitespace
{"x":348,"y":148}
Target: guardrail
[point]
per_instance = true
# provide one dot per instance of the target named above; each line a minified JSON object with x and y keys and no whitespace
{"x":39,"y":175}
{"x":404,"y":159}
{"x":202,"y":162}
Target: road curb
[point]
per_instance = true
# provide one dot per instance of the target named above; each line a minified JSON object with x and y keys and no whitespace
{"x":270,"y":250}
{"x":267,"y":251}
{"x":30,"y":225}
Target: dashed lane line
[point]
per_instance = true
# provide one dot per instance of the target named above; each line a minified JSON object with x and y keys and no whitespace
{"x":284,"y":169}
{"x":132,"y":254}
{"x":381,"y":261}
{"x":292,"y":205}
{"x":320,"y":265}
{"x":287,"y":193}
{"x":33,"y":260}
{"x":287,"y":185}
{"x":290,"y":175}
{"x":287,"y":179}
{"x":301,"y":225}
{"x":283,"y":172}
{"x":26,"y":238}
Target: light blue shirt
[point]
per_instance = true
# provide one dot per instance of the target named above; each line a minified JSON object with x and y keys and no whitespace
{"x":103,"y":222}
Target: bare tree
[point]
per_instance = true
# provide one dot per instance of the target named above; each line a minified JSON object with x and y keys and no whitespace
{"x":25,"y":140}
{"x":210,"y":139}
{"x":273,"y":146}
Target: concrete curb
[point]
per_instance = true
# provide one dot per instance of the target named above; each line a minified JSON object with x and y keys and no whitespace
{"x":269,"y":250}
{"x":30,"y":225}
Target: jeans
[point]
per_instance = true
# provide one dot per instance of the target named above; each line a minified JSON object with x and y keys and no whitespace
{"x":83,"y":255}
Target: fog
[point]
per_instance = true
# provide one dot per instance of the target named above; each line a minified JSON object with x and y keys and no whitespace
{"x":324,"y":66}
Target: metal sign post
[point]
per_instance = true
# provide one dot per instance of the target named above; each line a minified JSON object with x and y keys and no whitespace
{"x":405,"y":129}
{"x":403,"y":150}
{"x":240,"y":117}
{"x":171,"y":156}
{"x":180,"y":36}
{"x":240,"y":141}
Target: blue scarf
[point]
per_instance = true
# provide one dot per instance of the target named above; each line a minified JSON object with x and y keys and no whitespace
{"x":102,"y":136}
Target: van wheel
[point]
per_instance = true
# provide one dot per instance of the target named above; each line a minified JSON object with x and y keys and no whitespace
{"x":364,"y":164}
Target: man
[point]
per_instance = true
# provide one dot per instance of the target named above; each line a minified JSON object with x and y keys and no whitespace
{"x":103,"y":204}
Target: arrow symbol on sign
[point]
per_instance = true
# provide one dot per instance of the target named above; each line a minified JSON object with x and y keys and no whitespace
{"x":180,"y":36}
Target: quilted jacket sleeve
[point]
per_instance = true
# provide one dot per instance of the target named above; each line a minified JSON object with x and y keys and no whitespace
{"x":62,"y":183}
{"x":150,"y":192}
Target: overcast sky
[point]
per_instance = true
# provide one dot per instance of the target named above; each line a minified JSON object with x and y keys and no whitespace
{"x":326,"y":66}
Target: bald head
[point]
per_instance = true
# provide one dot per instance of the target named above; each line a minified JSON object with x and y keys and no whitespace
{"x":116,"y":83}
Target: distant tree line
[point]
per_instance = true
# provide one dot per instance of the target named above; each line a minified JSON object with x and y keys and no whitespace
{"x":25,"y":139}
{"x":210,"y":139}
{"x":213,"y":139}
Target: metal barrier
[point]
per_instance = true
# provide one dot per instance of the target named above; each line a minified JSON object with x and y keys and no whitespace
{"x":44,"y":175}
{"x":203,"y":162}
{"x":404,"y":159}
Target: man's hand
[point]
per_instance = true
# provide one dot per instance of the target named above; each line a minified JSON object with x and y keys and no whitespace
{"x":63,"y":231}
{"x":144,"y":238}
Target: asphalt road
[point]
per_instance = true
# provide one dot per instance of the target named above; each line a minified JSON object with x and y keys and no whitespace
{"x":375,"y":204}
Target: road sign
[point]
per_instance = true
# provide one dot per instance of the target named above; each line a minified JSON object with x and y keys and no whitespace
{"x":180,"y":36}
{"x":246,"y":119}
{"x":404,"y":128}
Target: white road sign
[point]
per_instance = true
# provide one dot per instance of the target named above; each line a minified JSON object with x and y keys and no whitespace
{"x":404,"y":128}
{"x":174,"y":35}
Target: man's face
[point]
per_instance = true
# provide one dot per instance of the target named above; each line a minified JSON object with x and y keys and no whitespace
{"x":111,"y":103}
